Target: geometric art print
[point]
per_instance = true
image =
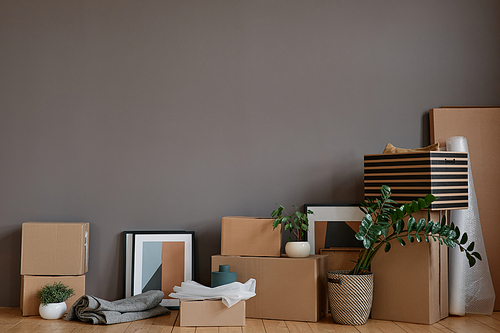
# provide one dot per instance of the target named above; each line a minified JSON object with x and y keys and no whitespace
{"x":157,"y":260}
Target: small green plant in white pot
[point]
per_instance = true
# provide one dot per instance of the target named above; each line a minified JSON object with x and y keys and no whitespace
{"x":53,"y":300}
{"x":298,"y":224}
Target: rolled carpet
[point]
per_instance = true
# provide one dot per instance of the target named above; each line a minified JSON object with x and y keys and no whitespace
{"x":98,"y":311}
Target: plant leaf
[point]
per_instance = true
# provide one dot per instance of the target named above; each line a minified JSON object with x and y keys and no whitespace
{"x":436,"y":228}
{"x":414,"y":206}
{"x":386,"y":190}
{"x":420,"y":225}
{"x":410,"y":238}
{"x":421,"y":203}
{"x":477,"y":255}
{"x":428,"y":227}
{"x":452,"y":235}
{"x":367,"y":221}
{"x":464,"y":239}
{"x":429,"y":198}
{"x":366,"y":243}
{"x":399,"y":226}
{"x":472,"y":260}
{"x":445,"y":231}
{"x":470,"y":248}
{"x":411,"y":224}
{"x":401,"y":241}
{"x":387,"y":246}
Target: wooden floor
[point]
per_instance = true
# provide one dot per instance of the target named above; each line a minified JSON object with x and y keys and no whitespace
{"x":12,"y":321}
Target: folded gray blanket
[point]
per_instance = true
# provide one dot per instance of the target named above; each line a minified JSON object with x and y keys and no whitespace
{"x":98,"y":311}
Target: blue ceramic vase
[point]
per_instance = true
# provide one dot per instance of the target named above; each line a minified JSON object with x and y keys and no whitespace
{"x":223,"y":276}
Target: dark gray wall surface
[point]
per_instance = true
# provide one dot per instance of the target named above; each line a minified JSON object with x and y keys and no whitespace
{"x":172,"y":114}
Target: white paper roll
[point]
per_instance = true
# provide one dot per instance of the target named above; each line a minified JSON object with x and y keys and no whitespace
{"x":470,"y":289}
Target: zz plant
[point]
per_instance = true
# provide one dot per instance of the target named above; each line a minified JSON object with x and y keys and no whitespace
{"x":55,"y":293}
{"x":385,"y":221}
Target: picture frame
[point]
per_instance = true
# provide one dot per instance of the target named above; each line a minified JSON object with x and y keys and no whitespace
{"x":333,"y":226}
{"x":157,"y":260}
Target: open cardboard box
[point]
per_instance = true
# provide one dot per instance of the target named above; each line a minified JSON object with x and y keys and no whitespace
{"x":211,"y":313}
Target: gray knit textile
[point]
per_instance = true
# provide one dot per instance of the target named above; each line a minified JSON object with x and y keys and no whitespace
{"x":98,"y":311}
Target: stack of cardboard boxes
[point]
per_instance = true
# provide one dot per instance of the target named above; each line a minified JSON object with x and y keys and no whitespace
{"x":287,"y":288}
{"x":52,"y":252}
{"x":411,"y":283}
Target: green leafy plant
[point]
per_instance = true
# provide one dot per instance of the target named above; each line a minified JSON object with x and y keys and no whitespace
{"x":55,"y":293}
{"x":297,"y":222}
{"x":385,"y":221}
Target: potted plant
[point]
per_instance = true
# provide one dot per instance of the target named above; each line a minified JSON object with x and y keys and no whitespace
{"x":298,"y":224}
{"x":53,"y":300}
{"x":385,"y":221}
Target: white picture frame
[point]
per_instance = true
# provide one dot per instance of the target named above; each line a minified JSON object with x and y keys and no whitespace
{"x":134,"y":256}
{"x":347,"y":213}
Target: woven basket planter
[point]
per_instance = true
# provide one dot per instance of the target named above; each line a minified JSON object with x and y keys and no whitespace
{"x":350,"y":297}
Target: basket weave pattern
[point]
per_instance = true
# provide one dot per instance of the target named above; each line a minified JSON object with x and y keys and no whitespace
{"x":350,"y":298}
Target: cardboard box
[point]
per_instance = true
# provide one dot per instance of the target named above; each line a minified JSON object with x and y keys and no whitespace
{"x":54,"y":248}
{"x":414,"y":175}
{"x":211,"y":313}
{"x":249,"y":236}
{"x":411,"y":282}
{"x":30,"y":285}
{"x":341,"y":258}
{"x":480,"y":126}
{"x":286,"y":289}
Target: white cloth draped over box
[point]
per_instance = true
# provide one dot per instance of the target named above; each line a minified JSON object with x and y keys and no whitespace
{"x":470,"y":289}
{"x":230,"y":293}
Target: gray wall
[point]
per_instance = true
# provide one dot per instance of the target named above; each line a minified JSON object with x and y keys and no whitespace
{"x":172,"y":114}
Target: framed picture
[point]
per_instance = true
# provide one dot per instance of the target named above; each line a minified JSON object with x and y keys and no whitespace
{"x":333,"y":226}
{"x":157,"y":260}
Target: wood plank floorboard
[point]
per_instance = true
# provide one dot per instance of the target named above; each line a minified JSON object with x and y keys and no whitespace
{"x":11,"y":321}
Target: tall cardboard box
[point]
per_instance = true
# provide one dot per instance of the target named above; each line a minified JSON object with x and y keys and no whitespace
{"x":54,"y":248}
{"x":211,"y":313}
{"x":250,"y":236}
{"x":30,"y":285}
{"x":480,"y":126}
{"x":286,"y":289}
{"x":411,"y":282}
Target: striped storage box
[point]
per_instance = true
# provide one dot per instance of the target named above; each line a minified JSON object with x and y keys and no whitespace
{"x":413,"y":175}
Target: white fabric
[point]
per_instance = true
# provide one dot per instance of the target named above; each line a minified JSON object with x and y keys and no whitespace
{"x":230,"y":293}
{"x":470,"y":289}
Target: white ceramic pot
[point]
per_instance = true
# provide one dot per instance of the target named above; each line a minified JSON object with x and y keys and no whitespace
{"x":52,"y":310}
{"x":298,"y":249}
